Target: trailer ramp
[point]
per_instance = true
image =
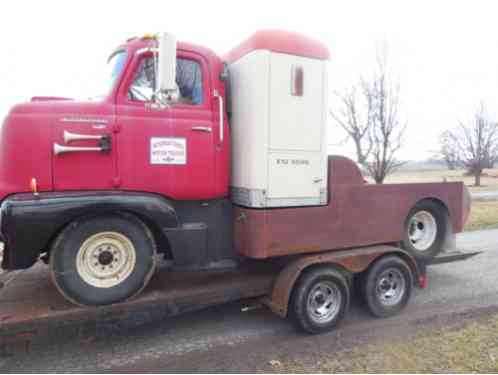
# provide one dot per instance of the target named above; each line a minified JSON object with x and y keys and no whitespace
{"x":32,"y":308}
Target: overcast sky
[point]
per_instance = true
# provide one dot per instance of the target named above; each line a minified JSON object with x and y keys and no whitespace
{"x":444,"y":53}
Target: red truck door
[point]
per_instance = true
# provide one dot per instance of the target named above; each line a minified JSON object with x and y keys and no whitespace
{"x":170,"y":151}
{"x":84,"y":150}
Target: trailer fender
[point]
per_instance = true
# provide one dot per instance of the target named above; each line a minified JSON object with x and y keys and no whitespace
{"x":351,"y":261}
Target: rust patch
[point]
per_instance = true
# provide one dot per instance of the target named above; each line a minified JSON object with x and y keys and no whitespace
{"x":357,"y":215}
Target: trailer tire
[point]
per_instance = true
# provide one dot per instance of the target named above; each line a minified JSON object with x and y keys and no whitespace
{"x":387,"y":286}
{"x":320,"y":300}
{"x":103,"y":260}
{"x":425,"y":230}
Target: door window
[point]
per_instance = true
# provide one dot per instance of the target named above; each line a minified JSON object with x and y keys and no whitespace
{"x":188,"y":80}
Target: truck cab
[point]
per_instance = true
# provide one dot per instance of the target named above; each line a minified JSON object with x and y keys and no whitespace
{"x":167,"y":151}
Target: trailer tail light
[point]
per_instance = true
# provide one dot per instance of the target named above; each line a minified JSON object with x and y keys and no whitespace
{"x":423,"y":282}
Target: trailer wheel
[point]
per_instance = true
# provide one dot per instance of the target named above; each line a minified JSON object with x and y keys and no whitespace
{"x":102,"y":261}
{"x":387,"y":286}
{"x":425,"y":230}
{"x":320,"y":300}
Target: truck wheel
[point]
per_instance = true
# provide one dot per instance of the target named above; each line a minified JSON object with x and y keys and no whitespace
{"x":320,"y":300}
{"x":387,"y":286}
{"x":425,"y":230}
{"x":102,"y":261}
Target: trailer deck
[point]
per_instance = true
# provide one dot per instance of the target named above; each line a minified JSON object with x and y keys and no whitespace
{"x":31,"y":306}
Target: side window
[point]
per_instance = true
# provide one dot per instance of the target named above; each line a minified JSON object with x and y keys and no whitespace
{"x":142,"y":88}
{"x":188,"y":80}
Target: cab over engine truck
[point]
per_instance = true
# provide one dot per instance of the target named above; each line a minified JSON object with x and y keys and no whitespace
{"x":213,"y":163}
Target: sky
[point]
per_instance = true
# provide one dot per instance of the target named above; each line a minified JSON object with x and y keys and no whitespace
{"x":444,"y":53}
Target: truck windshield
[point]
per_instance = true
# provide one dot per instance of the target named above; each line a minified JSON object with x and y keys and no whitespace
{"x":115,"y":65}
{"x":107,"y":77}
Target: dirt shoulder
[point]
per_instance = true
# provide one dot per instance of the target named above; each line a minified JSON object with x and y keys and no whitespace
{"x":463,"y":345}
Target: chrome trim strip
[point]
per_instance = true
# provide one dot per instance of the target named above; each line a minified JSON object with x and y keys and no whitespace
{"x":85,"y":120}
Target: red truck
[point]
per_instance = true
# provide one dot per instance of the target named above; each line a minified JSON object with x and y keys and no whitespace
{"x":215,"y":164}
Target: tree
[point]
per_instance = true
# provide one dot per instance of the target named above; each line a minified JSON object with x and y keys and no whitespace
{"x":478,"y":143}
{"x":354,"y":123}
{"x":372,"y":121}
{"x":450,"y":151}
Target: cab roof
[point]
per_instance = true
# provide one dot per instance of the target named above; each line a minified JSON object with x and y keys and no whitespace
{"x":135,"y":44}
{"x":280,"y":41}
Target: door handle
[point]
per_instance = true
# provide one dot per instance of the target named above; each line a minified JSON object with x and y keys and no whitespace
{"x":221,"y":114}
{"x":202,"y":129}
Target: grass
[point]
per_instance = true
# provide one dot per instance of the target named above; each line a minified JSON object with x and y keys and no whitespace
{"x":471,"y":348}
{"x":484,"y":215}
{"x":489,"y":180}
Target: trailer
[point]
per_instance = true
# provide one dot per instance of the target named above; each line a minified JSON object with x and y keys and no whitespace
{"x":32,"y":310}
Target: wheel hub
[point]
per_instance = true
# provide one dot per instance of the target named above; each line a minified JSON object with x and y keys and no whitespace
{"x":324,"y":302}
{"x":422,"y":230}
{"x":391,"y":287}
{"x":106,"y":259}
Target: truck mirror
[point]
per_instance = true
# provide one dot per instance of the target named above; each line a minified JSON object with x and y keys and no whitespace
{"x":167,"y":64}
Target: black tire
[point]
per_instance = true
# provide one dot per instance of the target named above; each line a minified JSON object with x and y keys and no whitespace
{"x":303,"y":292}
{"x":440,"y":216}
{"x":126,"y":245}
{"x":381,"y":285}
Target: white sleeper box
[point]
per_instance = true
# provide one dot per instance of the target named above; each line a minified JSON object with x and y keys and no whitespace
{"x":279,"y":136}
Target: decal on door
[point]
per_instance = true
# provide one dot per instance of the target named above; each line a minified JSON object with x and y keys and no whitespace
{"x":168,"y":151}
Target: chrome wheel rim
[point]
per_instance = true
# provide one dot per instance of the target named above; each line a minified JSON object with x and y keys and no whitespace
{"x":324,"y":302}
{"x":422,"y":230}
{"x":391,"y":287}
{"x":106,"y":259}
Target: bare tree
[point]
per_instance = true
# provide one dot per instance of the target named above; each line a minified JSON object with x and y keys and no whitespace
{"x":450,"y":150}
{"x":478,"y":143}
{"x":354,"y":122}
{"x":373,"y":123}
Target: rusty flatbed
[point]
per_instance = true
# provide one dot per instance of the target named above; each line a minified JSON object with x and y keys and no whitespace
{"x":32,"y":306}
